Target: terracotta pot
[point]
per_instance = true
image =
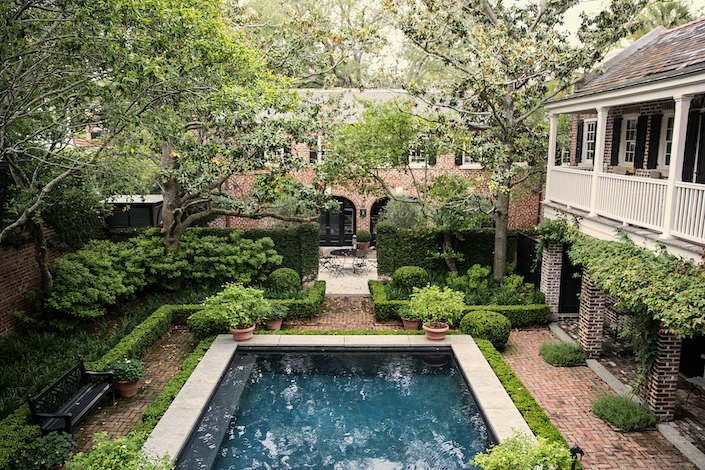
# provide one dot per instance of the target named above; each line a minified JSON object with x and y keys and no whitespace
{"x":127,"y":389}
{"x":435,"y":331}
{"x":275,"y":325}
{"x":363,"y":245}
{"x":244,"y":334}
{"x":411,"y":324}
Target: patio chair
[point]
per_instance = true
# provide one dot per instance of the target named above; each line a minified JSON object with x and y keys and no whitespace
{"x":359,"y":264}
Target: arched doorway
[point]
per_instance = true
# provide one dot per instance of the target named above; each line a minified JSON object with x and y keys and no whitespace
{"x":375,"y":210}
{"x":338,"y":229}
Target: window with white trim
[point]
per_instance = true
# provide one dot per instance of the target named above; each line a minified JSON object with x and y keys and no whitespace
{"x":666,"y":141}
{"x":417,"y":157}
{"x":589,"y":137}
{"x":629,"y":140}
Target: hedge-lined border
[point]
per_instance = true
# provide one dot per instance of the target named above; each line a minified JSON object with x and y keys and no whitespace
{"x":351,"y":332}
{"x":308,"y":307}
{"x":518,"y":315}
{"x":533,"y":414}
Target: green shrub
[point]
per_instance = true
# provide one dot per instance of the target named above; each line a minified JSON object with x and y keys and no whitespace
{"x":239,"y":306}
{"x":123,"y":453}
{"x":623,"y":413}
{"x":535,"y":417}
{"x":283,"y":279}
{"x":518,"y":315}
{"x":203,"y":324}
{"x":276,"y":312}
{"x":384,"y":309}
{"x":46,"y":452}
{"x":408,"y":277}
{"x":562,"y":354}
{"x":289,"y":294}
{"x":127,"y":370}
{"x":521,"y":452}
{"x":488,"y":325}
{"x":15,"y":433}
{"x":432,"y":304}
{"x":307,"y":307}
{"x":363,"y":236}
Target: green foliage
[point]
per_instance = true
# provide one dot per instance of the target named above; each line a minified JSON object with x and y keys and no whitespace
{"x":283,"y":279}
{"x":398,"y":247}
{"x":127,"y":370}
{"x":623,"y":413}
{"x":535,"y":417}
{"x":123,"y":453}
{"x":308,"y":307}
{"x":237,"y":305}
{"x":203,"y":324}
{"x":484,"y":324}
{"x":518,"y":315}
{"x":562,"y":354}
{"x":408,"y":277}
{"x":16,"y":433}
{"x":154,"y":412}
{"x":401,"y":213}
{"x":384,"y":309}
{"x":432,"y":304}
{"x":521,"y":452}
{"x":46,"y":452}
{"x":293,"y":293}
{"x":276,"y":311}
{"x":482,"y":289}
{"x":552,"y":231}
{"x":363,"y":236}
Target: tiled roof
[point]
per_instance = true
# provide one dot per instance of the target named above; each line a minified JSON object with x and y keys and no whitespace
{"x":674,"y":52}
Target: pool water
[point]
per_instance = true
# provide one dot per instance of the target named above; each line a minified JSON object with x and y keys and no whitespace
{"x":339,"y":411}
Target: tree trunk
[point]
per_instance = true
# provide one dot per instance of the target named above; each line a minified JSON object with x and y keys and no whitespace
{"x":41,"y":251}
{"x":171,"y":228}
{"x":448,"y":251}
{"x":500,"y":235}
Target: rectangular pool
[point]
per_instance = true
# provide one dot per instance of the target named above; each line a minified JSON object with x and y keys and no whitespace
{"x":347,"y":410}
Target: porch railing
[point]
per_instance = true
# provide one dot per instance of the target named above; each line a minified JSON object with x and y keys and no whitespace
{"x":690,"y":212}
{"x":634,"y":200}
{"x":571,"y":187}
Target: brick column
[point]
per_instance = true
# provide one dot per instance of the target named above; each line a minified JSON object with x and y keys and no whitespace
{"x":551,"y":266}
{"x":592,"y":317}
{"x":663,"y":379}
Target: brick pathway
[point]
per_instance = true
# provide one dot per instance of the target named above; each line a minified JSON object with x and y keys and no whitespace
{"x":344,"y":313}
{"x":566,"y":395}
{"x":162,"y":362}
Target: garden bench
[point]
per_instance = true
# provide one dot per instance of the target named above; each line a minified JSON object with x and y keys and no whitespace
{"x":61,"y":405}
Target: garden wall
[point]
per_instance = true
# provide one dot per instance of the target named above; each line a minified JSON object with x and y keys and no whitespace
{"x":414,"y":247}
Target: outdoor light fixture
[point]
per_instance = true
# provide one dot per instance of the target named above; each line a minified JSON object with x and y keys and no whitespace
{"x":363,"y":211}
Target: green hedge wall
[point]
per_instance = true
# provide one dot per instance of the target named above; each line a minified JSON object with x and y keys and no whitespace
{"x":308,"y":307}
{"x":413,"y":247}
{"x":518,"y":315}
{"x":384,"y":309}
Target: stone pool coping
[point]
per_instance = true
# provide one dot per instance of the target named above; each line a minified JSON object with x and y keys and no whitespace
{"x":173,"y":430}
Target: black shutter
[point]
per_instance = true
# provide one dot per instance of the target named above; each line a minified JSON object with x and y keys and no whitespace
{"x":700,"y":178}
{"x":654,"y":141}
{"x":691,"y":143}
{"x":579,"y":142}
{"x":458,"y":159}
{"x":640,"y":147}
{"x":312,"y":156}
{"x":432,"y":160}
{"x":616,"y":137}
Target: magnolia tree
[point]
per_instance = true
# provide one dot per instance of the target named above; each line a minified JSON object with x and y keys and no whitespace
{"x":505,"y":61}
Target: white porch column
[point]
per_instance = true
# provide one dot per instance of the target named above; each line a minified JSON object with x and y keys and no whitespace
{"x":599,"y":158}
{"x":680,"y":124}
{"x":552,"y":134}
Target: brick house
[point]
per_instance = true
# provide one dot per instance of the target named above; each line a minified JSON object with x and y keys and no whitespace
{"x":360,"y":210}
{"x":637,"y":163}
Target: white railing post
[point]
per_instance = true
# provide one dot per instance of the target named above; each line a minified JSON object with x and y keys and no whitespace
{"x":552,"y":133}
{"x":680,"y":124}
{"x":598,"y":159}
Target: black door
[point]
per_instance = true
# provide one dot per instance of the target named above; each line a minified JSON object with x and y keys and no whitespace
{"x":338,"y":229}
{"x":526,"y":253}
{"x":568,"y":301}
{"x":375,"y":210}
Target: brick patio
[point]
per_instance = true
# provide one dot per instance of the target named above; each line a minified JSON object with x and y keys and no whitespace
{"x":566,"y":395}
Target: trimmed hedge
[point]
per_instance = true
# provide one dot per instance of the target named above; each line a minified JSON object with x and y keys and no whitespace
{"x":350,"y":332}
{"x":135,"y":344}
{"x":413,"y":247}
{"x":283,"y":279}
{"x":488,"y":325}
{"x":518,"y":315}
{"x":156,"y":409}
{"x":15,"y":433}
{"x":533,"y":414}
{"x":408,"y":277}
{"x":384,"y":309}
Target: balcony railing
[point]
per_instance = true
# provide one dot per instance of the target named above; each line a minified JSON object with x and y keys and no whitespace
{"x":632,"y":200}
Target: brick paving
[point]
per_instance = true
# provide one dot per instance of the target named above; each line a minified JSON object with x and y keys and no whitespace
{"x":344,"y":313}
{"x":162,"y":362}
{"x":566,"y":395}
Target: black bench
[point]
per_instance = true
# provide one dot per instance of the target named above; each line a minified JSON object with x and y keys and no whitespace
{"x":61,"y":405}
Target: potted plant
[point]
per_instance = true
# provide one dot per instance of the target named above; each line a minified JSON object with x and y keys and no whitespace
{"x":411,"y":319}
{"x":438,"y":309}
{"x":127,"y":374}
{"x":239,"y":307}
{"x":364,"y":237}
{"x":275,"y":316}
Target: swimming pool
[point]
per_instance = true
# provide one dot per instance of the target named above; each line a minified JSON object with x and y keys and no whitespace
{"x":172,"y":434}
{"x":339,"y":410}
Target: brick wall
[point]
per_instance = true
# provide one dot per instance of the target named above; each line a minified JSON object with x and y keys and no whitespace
{"x":523,"y":209}
{"x":591,"y":317}
{"x":551,"y":266}
{"x":663,"y":379}
{"x":19,"y":275}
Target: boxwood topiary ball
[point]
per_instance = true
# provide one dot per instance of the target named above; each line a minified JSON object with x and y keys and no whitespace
{"x":408,"y":277}
{"x":484,"y":324}
{"x":284,"y":279}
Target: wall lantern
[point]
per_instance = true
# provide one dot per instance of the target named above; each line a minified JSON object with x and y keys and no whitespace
{"x":363,"y":212}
